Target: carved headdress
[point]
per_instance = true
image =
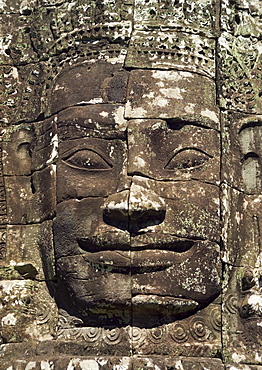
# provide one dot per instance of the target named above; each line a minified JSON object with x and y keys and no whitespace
{"x":217,"y":40}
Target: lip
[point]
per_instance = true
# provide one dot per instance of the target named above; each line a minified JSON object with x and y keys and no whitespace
{"x":144,"y":254}
{"x":132,"y":262}
{"x":122,"y":242}
{"x":173,"y":304}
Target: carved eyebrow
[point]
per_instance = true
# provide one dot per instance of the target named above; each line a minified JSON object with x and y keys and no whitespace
{"x":250,"y":155}
{"x":80,"y":148}
{"x":179,"y":123}
{"x":174,"y":153}
{"x":250,"y":124}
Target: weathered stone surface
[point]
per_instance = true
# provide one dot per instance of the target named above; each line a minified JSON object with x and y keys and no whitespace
{"x":105,"y":121}
{"x":15,"y":37}
{"x":28,"y":313}
{"x":170,"y":151}
{"x":30,"y":199}
{"x":240,"y":56}
{"x":57,"y":362}
{"x":133,"y":242}
{"x":242,"y":367}
{"x":241,"y":151}
{"x":158,"y":94}
{"x":17,"y":150}
{"x":29,"y":250}
{"x":241,"y":17}
{"x":17,"y":6}
{"x":171,"y":50}
{"x":100,"y":138}
{"x":183,"y":15}
{"x":156,"y":363}
{"x":112,"y":146}
{"x":240,"y":68}
{"x":29,"y":147}
{"x":22,"y":88}
{"x":198,"y":335}
{"x":125,"y":363}
{"x":242,"y":225}
{"x":29,"y":171}
{"x":89,"y":84}
{"x":242,"y":315}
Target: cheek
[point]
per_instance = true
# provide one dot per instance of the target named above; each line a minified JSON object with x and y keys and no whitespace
{"x":192,"y":209}
{"x":76,"y":219}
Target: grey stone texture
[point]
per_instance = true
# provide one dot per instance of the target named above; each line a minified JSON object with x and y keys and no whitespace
{"x":130,"y":185}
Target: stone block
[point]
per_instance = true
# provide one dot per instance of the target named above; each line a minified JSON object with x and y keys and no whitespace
{"x":176,"y":363}
{"x":29,"y":250}
{"x":241,"y":227}
{"x":28,"y":313}
{"x":22,"y":85}
{"x":89,"y":84}
{"x":171,"y":50}
{"x":241,"y":150}
{"x":104,"y":121}
{"x":30,"y":199}
{"x":158,"y":94}
{"x":201,"y":17}
{"x":242,"y":311}
{"x":187,"y":151}
{"x":240,"y":81}
{"x":17,"y":152}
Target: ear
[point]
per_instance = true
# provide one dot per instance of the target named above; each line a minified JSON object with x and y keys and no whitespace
{"x":250,"y":136}
{"x":29,"y":181}
{"x":17,"y":150}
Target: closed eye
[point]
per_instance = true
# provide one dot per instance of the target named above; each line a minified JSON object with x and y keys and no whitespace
{"x":87,"y":159}
{"x":186,"y":159}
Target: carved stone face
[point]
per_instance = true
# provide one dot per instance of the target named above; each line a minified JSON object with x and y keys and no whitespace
{"x":137,"y":225}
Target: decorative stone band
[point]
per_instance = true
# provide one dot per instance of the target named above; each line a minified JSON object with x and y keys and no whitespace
{"x":193,"y":336}
{"x":159,"y":47}
{"x":172,"y":50}
{"x":145,"y":49}
{"x":92,"y":38}
{"x":193,"y":16}
{"x":240,"y":68}
{"x":96,"y":362}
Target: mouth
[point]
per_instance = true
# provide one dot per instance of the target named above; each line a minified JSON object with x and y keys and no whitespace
{"x":143,"y":254}
{"x":124,"y":242}
{"x":172,"y":305}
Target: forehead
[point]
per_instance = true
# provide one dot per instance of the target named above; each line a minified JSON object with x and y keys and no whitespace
{"x":142,"y":94}
{"x":171,"y":94}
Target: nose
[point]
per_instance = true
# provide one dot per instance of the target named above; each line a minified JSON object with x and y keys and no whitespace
{"x":134,"y":209}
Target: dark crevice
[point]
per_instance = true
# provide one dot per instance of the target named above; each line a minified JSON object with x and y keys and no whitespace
{"x":234,"y":187}
{"x":251,"y":124}
{"x":204,"y":182}
{"x":226,"y":263}
{"x":40,"y":117}
{"x":86,"y":105}
{"x":179,"y":123}
{"x":52,"y":6}
{"x":33,"y":46}
{"x":176,"y":68}
{"x":92,"y":196}
{"x":33,"y":171}
{"x":93,"y":137}
{"x":32,"y":185}
{"x":50,"y":218}
{"x":128,"y":202}
{"x":235,"y":111}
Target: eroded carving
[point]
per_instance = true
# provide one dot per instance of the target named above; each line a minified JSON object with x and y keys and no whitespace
{"x":126,"y":229}
{"x":130,"y":184}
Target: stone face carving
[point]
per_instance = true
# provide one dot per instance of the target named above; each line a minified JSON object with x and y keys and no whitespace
{"x":131,"y":194}
{"x":130,"y":185}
